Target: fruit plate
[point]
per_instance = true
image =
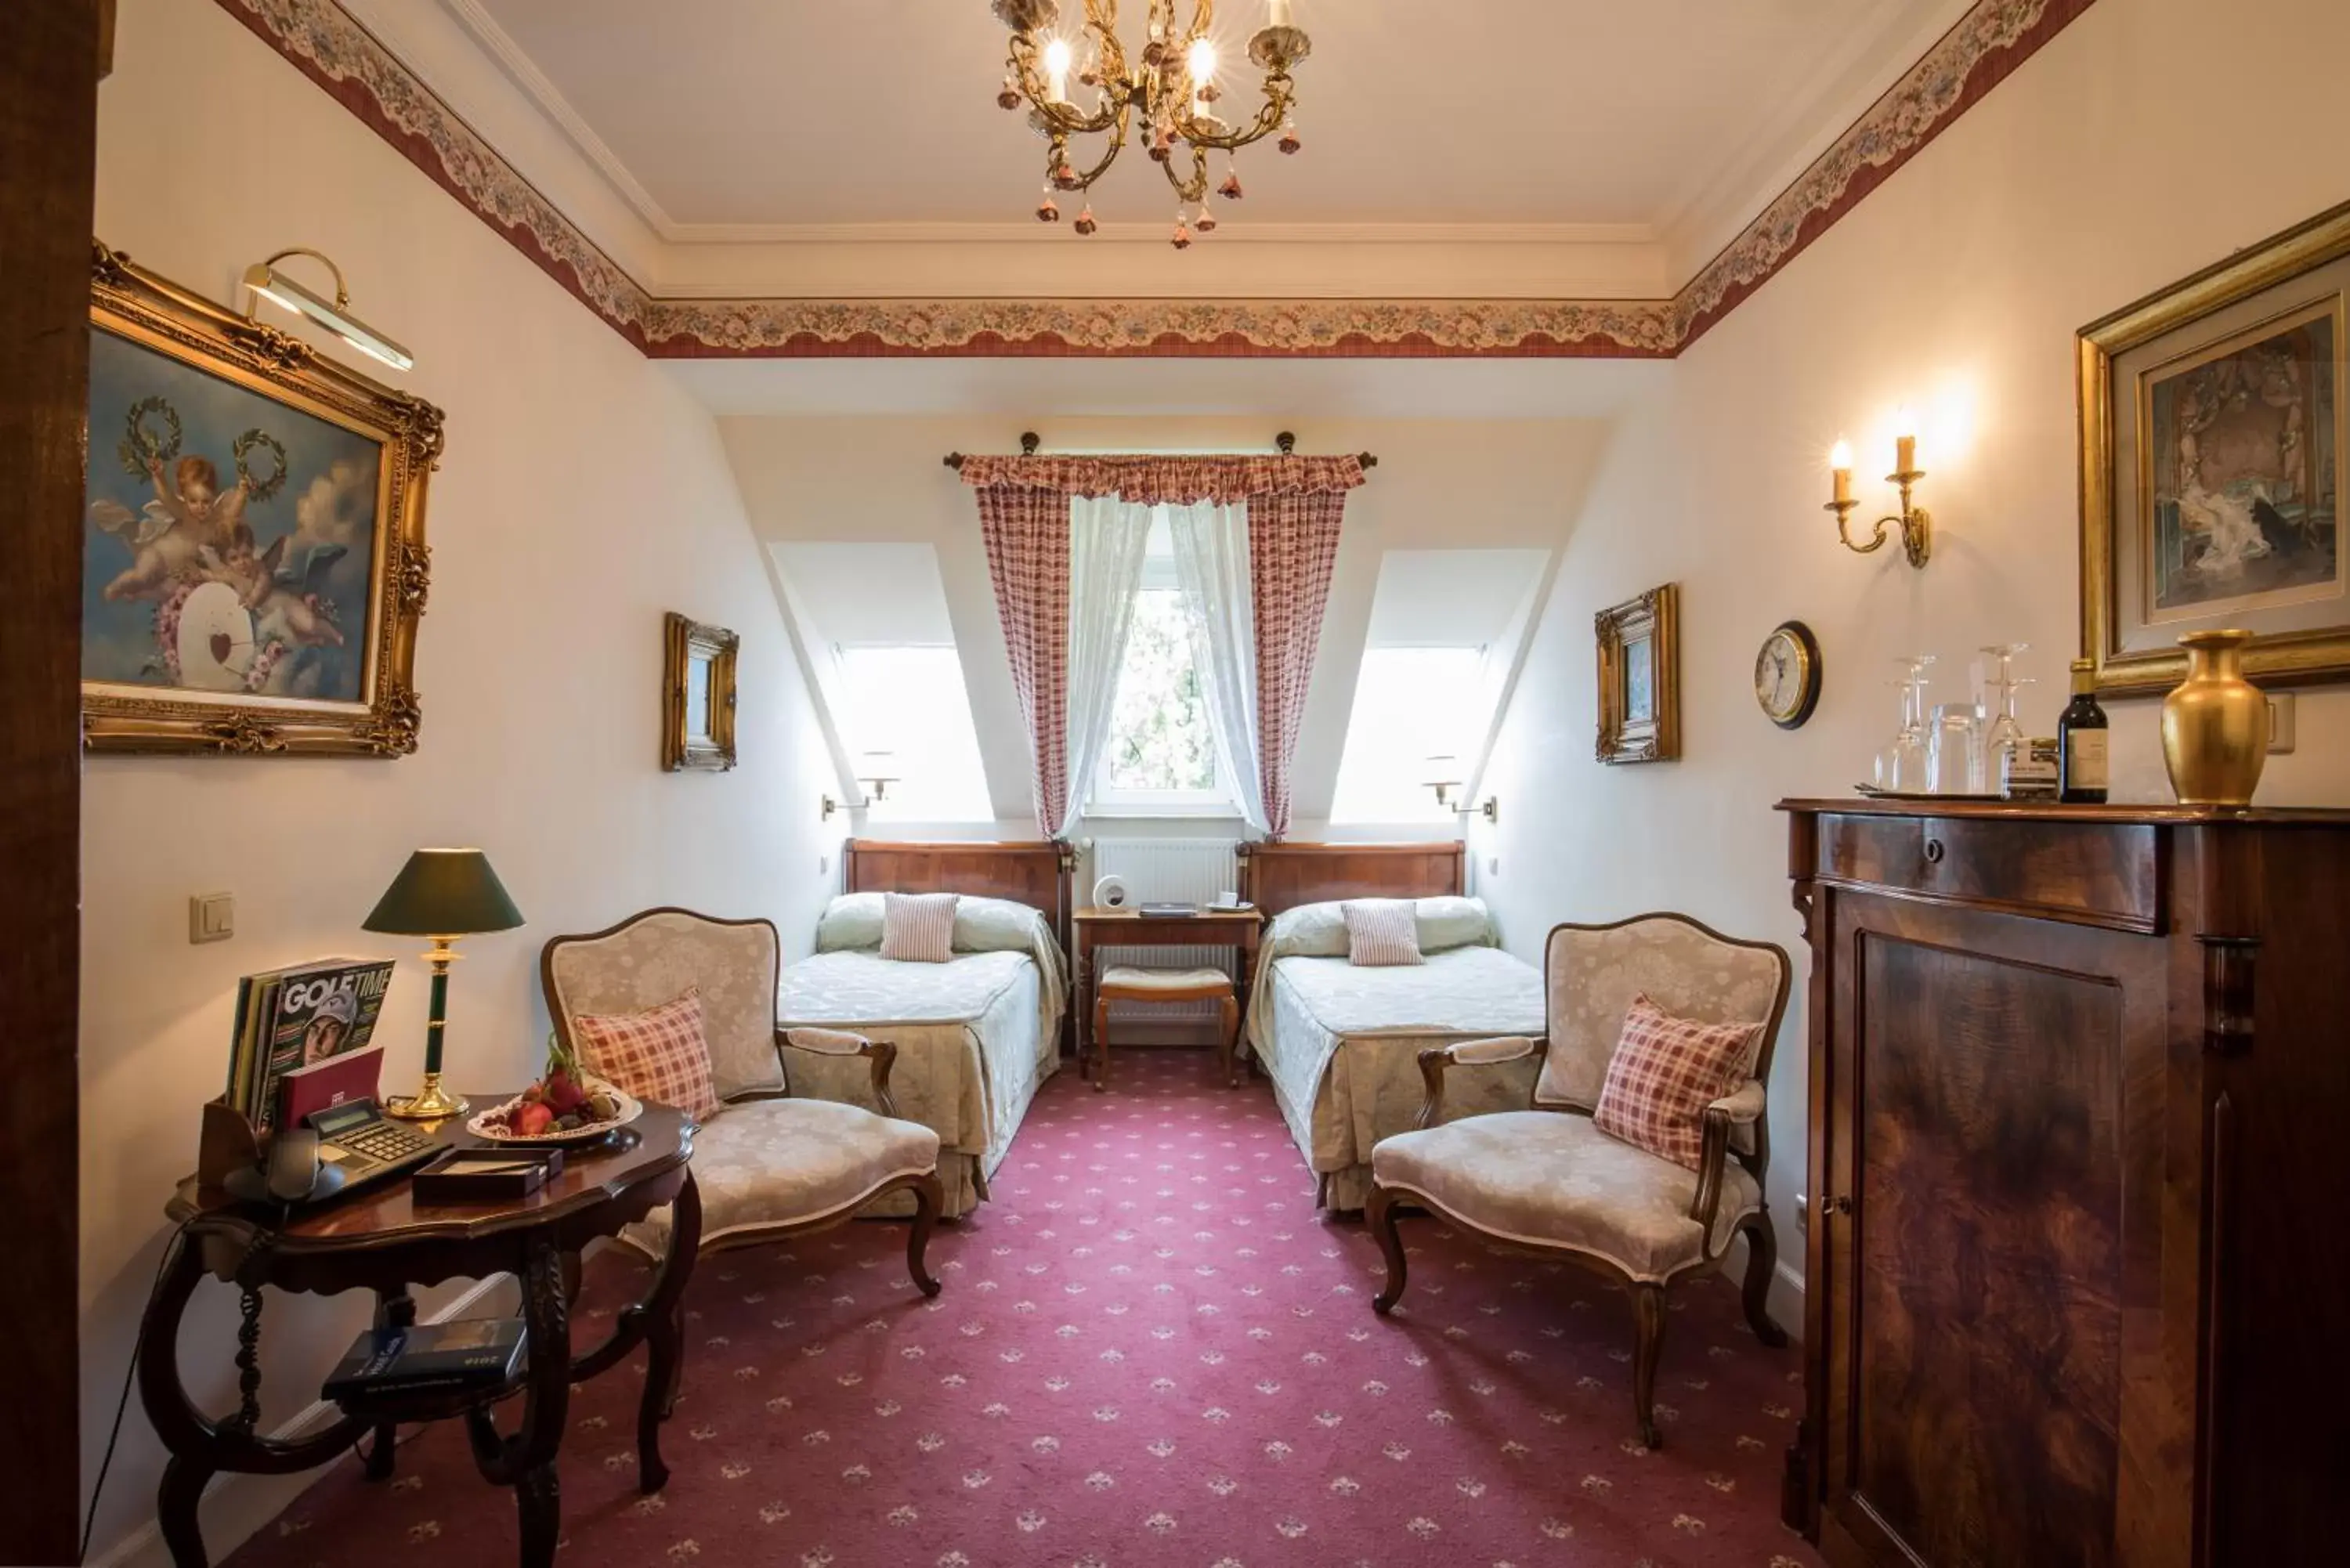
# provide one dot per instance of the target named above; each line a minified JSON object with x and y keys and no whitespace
{"x":491,"y":1125}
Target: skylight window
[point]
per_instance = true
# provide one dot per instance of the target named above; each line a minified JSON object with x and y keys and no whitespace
{"x":1411,"y":704}
{"x":908,"y":702}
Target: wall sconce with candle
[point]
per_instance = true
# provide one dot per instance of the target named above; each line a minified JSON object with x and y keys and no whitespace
{"x":1917,"y":528}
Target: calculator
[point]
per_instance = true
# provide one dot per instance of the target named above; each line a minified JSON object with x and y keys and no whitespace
{"x":355,"y":1138}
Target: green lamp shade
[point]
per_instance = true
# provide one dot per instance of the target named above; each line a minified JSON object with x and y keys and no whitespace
{"x":444,"y":893}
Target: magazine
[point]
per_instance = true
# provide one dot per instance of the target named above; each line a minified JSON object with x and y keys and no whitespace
{"x":294,"y":1018}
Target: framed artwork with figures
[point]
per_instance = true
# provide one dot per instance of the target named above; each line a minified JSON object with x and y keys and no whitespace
{"x":2213,"y":425}
{"x":254,"y":566}
{"x":698,"y":695}
{"x":1640,"y":678}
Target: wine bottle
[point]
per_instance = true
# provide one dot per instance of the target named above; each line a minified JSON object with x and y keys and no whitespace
{"x":2083,"y":762}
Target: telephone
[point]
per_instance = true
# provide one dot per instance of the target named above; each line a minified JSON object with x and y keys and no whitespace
{"x":290,"y":1171}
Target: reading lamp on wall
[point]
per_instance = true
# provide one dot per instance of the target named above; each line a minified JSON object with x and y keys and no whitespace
{"x":877,"y":774}
{"x":1444,"y":777}
{"x":264,"y":281}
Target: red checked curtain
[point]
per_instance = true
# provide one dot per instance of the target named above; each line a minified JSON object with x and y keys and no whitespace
{"x":1296,"y":508}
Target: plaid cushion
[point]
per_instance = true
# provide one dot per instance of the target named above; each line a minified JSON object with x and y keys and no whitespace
{"x":1665,"y":1072}
{"x":657,"y":1054}
{"x":1381,"y":931}
{"x":917,"y":928}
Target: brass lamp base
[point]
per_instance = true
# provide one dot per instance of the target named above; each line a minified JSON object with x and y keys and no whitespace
{"x":433,"y":1103}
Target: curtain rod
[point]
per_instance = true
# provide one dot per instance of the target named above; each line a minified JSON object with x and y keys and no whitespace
{"x":1286,"y":441}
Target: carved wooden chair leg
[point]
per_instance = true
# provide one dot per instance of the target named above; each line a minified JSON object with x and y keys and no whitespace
{"x":1380,"y":1214}
{"x":1101,"y":1044}
{"x":1648,"y":1302}
{"x":1762,"y":1263}
{"x":538,"y":1500}
{"x":1231,"y":1041}
{"x":930,"y":1194}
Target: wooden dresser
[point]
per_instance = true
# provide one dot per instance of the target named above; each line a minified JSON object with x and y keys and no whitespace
{"x":2077,"y":1272}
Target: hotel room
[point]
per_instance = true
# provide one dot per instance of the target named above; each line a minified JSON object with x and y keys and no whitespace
{"x":1599,"y":816}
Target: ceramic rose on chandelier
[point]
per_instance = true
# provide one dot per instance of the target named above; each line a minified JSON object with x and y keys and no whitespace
{"x":1166,"y":94}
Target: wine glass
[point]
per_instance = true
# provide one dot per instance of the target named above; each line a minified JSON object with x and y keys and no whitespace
{"x":1900,"y":763}
{"x":2005,"y":735}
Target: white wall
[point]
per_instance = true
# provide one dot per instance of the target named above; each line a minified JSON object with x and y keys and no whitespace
{"x":1441,"y":483}
{"x":2079,"y":184}
{"x":583,"y":494}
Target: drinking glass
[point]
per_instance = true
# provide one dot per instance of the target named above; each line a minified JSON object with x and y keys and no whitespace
{"x":1954,"y":761}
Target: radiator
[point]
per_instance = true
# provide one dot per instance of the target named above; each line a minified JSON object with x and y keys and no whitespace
{"x":1165,"y":870}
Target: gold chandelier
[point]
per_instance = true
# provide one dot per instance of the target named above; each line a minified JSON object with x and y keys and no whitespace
{"x":1171,"y":88}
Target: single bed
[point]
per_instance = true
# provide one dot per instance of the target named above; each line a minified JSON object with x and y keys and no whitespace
{"x":1340,"y":1043}
{"x":976,"y":1037}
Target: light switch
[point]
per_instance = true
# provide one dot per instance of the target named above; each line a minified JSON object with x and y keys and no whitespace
{"x":2280,"y":721}
{"x":212,"y":916}
{"x":1492,"y":866}
{"x":823,"y":865}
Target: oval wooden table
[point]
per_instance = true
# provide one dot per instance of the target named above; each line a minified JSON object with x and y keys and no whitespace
{"x":380,"y":1239}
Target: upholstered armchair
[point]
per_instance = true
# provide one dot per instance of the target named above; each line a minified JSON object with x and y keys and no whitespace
{"x":1550,"y":1179}
{"x":767,"y":1164}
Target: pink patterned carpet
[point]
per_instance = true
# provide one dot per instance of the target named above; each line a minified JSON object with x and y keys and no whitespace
{"x":1151,"y":1351}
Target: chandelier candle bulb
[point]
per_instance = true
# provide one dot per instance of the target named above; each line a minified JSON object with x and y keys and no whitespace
{"x":1279,"y":14}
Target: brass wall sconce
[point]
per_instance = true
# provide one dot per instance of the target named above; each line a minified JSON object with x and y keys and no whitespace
{"x":876,"y":778}
{"x":266,"y":282}
{"x":1916,"y":527}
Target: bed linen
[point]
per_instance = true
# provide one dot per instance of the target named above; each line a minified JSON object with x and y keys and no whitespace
{"x":1341,"y":1043}
{"x":976,"y":1037}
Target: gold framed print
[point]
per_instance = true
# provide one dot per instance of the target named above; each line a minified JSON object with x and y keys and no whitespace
{"x":254,"y":565}
{"x":697,"y":696}
{"x":1640,"y":678}
{"x":2213,"y":425}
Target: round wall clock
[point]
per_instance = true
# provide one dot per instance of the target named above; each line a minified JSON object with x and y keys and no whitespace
{"x":1787,"y":675}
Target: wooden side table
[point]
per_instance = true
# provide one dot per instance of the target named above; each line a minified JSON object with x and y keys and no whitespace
{"x":380,"y":1239}
{"x":1095,"y":927}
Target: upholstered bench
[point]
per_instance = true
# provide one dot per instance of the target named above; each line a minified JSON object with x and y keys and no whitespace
{"x":1127,"y":984}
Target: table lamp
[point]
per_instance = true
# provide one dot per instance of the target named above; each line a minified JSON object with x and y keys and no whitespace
{"x":443,"y":894}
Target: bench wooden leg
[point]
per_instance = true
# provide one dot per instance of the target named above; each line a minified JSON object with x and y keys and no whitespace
{"x":1230,"y":1040}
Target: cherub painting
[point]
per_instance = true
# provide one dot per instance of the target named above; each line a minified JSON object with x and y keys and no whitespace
{"x":231,"y":535}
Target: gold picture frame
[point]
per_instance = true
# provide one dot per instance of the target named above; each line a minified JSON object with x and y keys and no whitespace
{"x":2214,"y":430}
{"x":697,"y":696}
{"x":273,"y":615}
{"x":1640,"y":678}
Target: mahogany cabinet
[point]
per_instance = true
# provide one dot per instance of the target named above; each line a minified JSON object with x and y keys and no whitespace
{"x":2077,"y":1278}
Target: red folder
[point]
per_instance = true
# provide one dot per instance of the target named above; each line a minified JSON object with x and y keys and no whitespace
{"x":326,"y":1084}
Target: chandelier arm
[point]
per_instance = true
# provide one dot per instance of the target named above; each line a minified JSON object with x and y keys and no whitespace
{"x":1117,"y":145}
{"x":1279,"y":96}
{"x":1194,"y":188}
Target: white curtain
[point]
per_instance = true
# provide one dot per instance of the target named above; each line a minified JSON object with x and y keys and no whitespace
{"x":1212,"y":566}
{"x":1107,"y":540}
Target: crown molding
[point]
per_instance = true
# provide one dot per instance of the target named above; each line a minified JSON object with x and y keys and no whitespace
{"x":1231,"y":232}
{"x":321,"y":39}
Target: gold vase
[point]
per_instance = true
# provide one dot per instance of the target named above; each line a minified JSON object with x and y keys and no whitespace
{"x":2215,"y":723}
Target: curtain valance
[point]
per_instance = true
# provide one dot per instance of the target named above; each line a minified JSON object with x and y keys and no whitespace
{"x":1169,"y":481}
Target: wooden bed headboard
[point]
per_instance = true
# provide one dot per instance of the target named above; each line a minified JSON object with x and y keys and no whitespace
{"x":1277,"y":876}
{"x":1034,"y":874}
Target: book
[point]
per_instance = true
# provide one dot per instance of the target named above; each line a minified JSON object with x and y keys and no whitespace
{"x":298,"y":1016}
{"x":473,"y":1353}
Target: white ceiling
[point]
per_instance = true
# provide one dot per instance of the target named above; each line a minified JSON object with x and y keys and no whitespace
{"x":741,"y":118}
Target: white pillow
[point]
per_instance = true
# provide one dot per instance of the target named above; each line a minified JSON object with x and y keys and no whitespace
{"x":851,"y":923}
{"x":1381,"y":933}
{"x":1452,"y":922}
{"x":917,"y":928}
{"x":1319,"y":930}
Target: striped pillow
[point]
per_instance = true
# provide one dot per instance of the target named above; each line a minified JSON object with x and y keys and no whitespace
{"x":657,"y":1054}
{"x":1381,"y":931}
{"x":917,"y":928}
{"x":1665,"y":1072}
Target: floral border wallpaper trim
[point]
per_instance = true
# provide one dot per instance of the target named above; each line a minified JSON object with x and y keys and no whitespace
{"x":1987,"y":44}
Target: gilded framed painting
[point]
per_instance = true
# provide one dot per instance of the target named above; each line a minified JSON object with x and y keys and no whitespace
{"x":697,"y":695}
{"x":2213,"y":425}
{"x":1640,"y":678}
{"x":254,"y":565}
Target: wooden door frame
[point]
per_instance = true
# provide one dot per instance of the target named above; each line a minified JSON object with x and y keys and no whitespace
{"x":50,"y":64}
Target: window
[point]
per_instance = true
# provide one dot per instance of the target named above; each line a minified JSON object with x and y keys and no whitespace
{"x":1160,"y":754}
{"x":909,"y":700}
{"x":1411,"y":704}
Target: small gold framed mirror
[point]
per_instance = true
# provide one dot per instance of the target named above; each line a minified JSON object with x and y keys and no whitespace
{"x":697,"y":696}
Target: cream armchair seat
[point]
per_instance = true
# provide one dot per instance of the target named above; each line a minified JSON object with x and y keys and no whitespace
{"x":767,"y":1164}
{"x":1548,"y":1178}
